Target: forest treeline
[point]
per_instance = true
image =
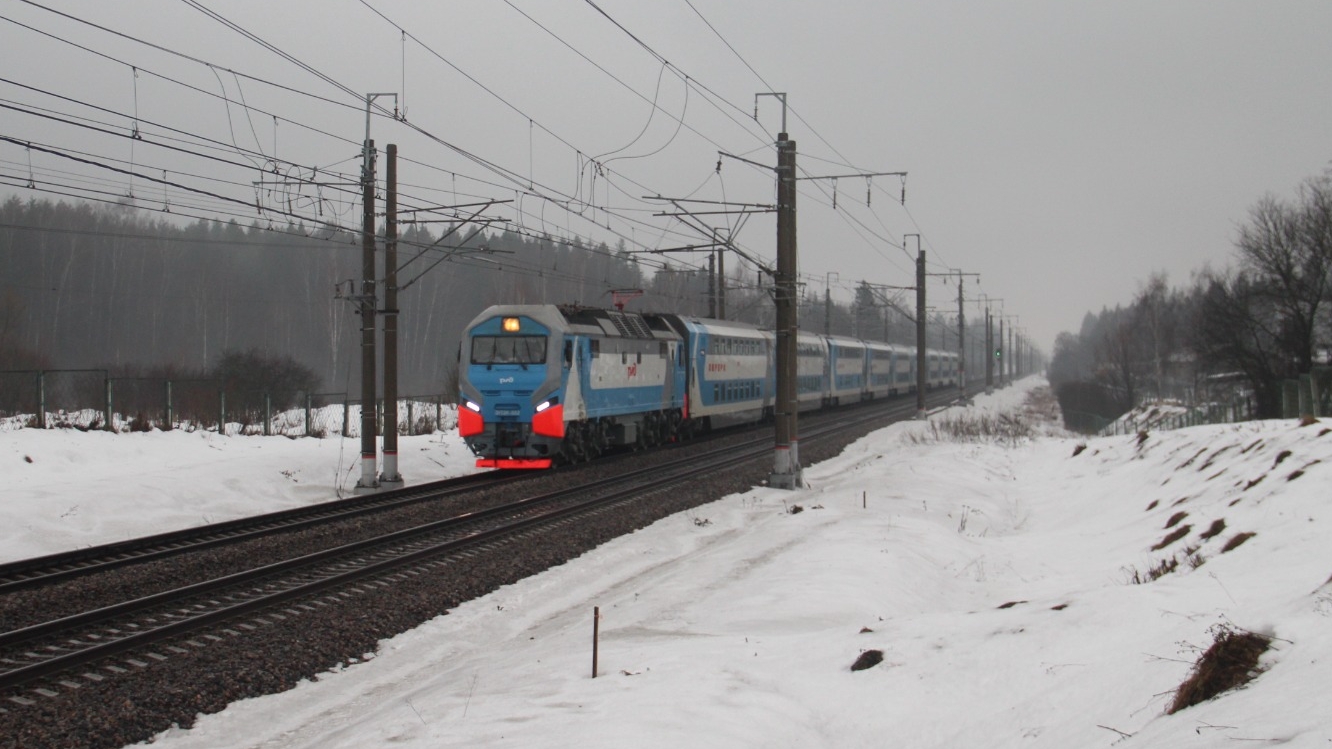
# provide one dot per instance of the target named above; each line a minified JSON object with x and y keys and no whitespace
{"x":111,"y":287}
{"x":1240,"y":330}
{"x":84,"y":285}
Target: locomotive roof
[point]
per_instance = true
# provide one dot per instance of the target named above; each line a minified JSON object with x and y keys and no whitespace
{"x":615,"y":323}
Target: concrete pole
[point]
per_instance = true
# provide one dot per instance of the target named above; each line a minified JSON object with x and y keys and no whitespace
{"x":1012,"y":366}
{"x":390,"y":474}
{"x":989,"y":351}
{"x":712,"y":285}
{"x":922,"y":358}
{"x":369,"y":481}
{"x":961,"y":347}
{"x":827,"y":311}
{"x":721,"y":284}
{"x":786,"y":473}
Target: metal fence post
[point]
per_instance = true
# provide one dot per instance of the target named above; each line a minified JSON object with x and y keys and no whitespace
{"x":221,"y":413}
{"x":346,"y":415}
{"x":268,"y":415}
{"x":110,"y":420}
{"x":308,"y":430}
{"x":1317,"y":392}
{"x":439,"y":413}
{"x":411,"y":419}
{"x":41,"y":399}
{"x":170,"y":412}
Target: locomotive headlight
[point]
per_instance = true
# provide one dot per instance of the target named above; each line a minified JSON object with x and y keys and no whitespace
{"x":511,"y":325}
{"x":472,"y":406}
{"x":543,"y":405}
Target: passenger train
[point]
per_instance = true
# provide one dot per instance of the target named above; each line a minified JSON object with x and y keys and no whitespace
{"x":544,"y":384}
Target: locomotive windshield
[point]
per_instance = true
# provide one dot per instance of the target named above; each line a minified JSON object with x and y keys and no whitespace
{"x":509,"y":349}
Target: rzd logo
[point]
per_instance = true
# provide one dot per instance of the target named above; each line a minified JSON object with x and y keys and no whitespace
{"x":633,"y":370}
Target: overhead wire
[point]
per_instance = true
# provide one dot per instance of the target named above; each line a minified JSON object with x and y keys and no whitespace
{"x":554,"y":197}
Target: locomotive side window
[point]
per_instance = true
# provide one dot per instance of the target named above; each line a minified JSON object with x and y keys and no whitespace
{"x":568,"y":353}
{"x":510,"y":349}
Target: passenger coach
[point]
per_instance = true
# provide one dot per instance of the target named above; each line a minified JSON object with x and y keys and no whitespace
{"x":541,"y":384}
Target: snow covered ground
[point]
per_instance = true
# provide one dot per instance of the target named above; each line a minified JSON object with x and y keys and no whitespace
{"x":66,"y":489}
{"x":994,"y":575}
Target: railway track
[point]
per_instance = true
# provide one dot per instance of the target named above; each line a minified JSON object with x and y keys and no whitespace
{"x":90,"y":647}
{"x":39,"y":571}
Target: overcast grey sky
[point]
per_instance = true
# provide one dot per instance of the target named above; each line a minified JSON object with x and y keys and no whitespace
{"x":1063,"y":150}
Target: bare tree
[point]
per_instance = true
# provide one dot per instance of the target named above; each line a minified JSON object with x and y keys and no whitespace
{"x":1287,"y":250}
{"x":1233,"y":333}
{"x":1118,"y":358}
{"x":1151,"y":309}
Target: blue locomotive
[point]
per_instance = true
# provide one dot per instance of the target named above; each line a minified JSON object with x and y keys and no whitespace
{"x":547,"y":384}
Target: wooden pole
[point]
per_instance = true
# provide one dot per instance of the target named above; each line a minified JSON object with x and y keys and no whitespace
{"x":596,"y":634}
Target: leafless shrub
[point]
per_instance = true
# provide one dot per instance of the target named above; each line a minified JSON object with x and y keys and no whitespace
{"x":1077,"y":449}
{"x":1212,"y":458}
{"x":1300,"y":472}
{"x":1236,"y":541}
{"x":1156,"y":571}
{"x":1174,"y":536}
{"x":1003,"y":429}
{"x":1189,"y":462}
{"x":867,"y":659}
{"x":140,"y":423}
{"x":1214,"y":529}
{"x":425,"y":424}
{"x":1174,"y":519}
{"x":1230,"y":662}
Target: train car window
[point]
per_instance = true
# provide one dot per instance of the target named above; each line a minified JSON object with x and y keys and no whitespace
{"x":510,"y":349}
{"x":568,"y":354}
{"x":596,"y":347}
{"x":640,"y":357}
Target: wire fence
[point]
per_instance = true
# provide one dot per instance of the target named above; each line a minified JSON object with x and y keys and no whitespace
{"x":1310,"y":396}
{"x":90,"y":399}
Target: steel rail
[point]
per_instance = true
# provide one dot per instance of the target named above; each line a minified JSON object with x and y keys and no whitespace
{"x":44,"y":570}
